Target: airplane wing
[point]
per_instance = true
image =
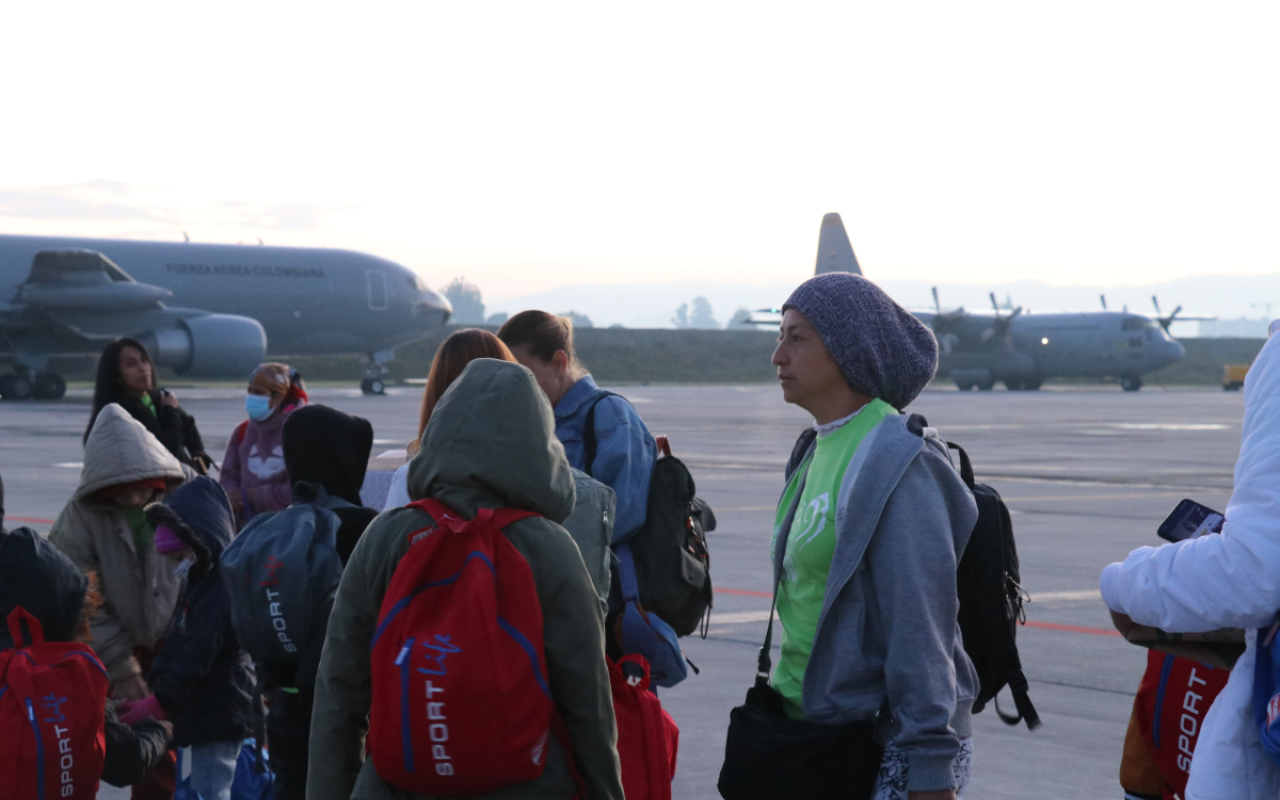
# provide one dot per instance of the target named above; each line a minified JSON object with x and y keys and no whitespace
{"x":84,"y":280}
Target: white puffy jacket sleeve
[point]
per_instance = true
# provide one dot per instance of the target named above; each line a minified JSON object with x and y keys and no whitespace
{"x":1228,"y":580}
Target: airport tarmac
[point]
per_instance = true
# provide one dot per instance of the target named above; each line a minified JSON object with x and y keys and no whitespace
{"x":1088,"y":476}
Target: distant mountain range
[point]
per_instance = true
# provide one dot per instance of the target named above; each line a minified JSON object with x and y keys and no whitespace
{"x":653,"y":305}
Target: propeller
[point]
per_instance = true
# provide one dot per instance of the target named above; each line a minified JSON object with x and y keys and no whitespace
{"x":1165,"y":322}
{"x":1000,"y":328}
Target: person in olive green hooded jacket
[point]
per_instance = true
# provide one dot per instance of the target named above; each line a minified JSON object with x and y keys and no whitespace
{"x":490,"y":444}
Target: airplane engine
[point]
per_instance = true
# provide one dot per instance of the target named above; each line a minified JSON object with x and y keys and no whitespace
{"x":209,"y":346}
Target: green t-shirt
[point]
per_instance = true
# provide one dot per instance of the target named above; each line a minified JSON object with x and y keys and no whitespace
{"x":810,"y":546}
{"x":150,"y":406}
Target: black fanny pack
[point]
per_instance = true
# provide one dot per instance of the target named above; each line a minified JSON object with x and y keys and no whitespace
{"x":769,"y":755}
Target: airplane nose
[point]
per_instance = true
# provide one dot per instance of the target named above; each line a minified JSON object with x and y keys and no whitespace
{"x":1174,"y":351}
{"x":432,"y":308}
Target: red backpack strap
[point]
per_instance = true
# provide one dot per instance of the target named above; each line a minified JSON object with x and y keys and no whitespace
{"x":237,"y":436}
{"x":443,"y":515}
{"x":36,"y":631}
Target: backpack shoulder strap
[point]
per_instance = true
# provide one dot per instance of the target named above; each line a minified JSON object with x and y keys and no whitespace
{"x":627,"y":573}
{"x":35,"y":632}
{"x":446,"y":517}
{"x":966,"y":466}
{"x":589,"y":432}
{"x":800,"y":450}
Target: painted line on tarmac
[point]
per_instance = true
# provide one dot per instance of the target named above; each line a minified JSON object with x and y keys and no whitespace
{"x":1053,"y":626}
{"x":744,"y":617}
{"x":1049,"y":597}
{"x":31,"y":519}
{"x":744,"y":592}
{"x":1043,"y":597}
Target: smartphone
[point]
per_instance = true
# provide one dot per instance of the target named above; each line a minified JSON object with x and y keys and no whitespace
{"x":1189,"y":520}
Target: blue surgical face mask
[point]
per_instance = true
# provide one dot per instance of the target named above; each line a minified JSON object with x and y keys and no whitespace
{"x":183,"y":567}
{"x":258,"y":406}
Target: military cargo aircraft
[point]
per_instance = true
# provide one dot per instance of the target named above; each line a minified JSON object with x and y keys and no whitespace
{"x":1022,"y":349}
{"x":205,"y":310}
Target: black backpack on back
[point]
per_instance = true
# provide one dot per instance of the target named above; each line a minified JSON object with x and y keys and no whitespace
{"x":991,"y":599}
{"x":987,"y":583}
{"x":673,"y":566}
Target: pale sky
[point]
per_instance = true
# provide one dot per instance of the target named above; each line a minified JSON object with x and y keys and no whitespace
{"x":527,"y":145}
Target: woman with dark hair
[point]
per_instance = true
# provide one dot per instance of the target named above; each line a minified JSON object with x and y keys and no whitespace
{"x":127,"y":377}
{"x":253,"y":472}
{"x":625,"y":450}
{"x":454,"y":354}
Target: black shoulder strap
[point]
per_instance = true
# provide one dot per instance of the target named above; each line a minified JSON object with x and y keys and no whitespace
{"x":589,"y":432}
{"x":966,"y":466}
{"x":801,"y":449}
{"x":764,"y":663}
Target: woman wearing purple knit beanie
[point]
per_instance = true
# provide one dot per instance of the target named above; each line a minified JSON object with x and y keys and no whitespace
{"x":866,"y":541}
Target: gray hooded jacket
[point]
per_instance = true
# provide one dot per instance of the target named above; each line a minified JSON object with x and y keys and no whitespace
{"x":490,"y":444}
{"x":888,"y":627}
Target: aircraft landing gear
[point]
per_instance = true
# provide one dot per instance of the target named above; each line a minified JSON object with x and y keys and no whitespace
{"x":50,"y":386}
{"x":22,"y":385}
{"x":987,"y":385}
{"x":376,"y":369}
{"x":1032,"y":386}
{"x":1131,"y":384}
{"x":1014,"y":386}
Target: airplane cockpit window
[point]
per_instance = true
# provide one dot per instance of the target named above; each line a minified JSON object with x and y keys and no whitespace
{"x":1136,"y":324}
{"x":416,"y":282}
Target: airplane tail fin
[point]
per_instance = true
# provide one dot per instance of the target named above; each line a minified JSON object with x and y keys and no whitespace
{"x":835,"y":254}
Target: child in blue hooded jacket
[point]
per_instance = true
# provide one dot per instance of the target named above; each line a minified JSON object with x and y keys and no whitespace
{"x":202,"y":681}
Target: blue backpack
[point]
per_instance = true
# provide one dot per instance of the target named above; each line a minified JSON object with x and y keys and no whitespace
{"x":281,"y":574}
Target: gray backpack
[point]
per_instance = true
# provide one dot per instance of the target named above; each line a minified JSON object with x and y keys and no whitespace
{"x":281,"y":574}
{"x":591,"y":526}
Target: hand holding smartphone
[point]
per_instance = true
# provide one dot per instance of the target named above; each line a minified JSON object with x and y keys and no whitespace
{"x":1189,"y":521}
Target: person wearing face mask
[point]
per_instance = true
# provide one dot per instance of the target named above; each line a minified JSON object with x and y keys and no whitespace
{"x":253,"y":470}
{"x":127,"y":377}
{"x":202,"y":681}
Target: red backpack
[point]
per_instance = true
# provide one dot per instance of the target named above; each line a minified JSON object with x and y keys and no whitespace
{"x":647,"y":735}
{"x":1173,"y":699}
{"x":461,"y":704}
{"x":52,"y":715}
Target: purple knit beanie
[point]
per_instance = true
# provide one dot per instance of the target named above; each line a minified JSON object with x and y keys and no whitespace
{"x":880,"y":347}
{"x":167,"y":540}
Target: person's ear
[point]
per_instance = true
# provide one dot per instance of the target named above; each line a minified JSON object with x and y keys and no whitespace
{"x":561,"y":360}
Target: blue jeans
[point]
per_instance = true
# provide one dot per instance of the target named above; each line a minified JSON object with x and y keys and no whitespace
{"x":213,"y":769}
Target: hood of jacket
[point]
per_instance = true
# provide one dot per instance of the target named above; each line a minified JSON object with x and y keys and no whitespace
{"x":121,"y":450}
{"x":36,"y":575}
{"x":491,"y":443}
{"x":201,"y":515}
{"x":326,"y":446}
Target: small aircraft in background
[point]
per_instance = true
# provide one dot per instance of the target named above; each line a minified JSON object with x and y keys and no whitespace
{"x":1020,"y":348}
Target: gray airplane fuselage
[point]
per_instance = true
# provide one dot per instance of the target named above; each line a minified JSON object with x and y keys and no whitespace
{"x":310,"y":301}
{"x":1046,"y":345}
